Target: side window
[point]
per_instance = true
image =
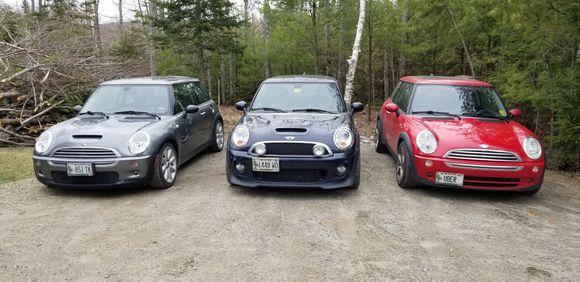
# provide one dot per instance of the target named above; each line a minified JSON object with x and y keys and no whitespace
{"x":395,"y":94}
{"x":406,"y":90}
{"x":200,"y":93}
{"x":183,"y":96}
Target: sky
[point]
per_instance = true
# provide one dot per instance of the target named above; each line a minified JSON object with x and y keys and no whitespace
{"x":108,"y":9}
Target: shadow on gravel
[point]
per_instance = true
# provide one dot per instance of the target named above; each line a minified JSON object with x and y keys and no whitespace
{"x":294,"y":193}
{"x":476,"y":195}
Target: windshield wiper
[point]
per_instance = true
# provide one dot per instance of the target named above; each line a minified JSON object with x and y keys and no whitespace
{"x":268,"y":110}
{"x":313,"y":111}
{"x":484,"y":114}
{"x":94,"y":113}
{"x":137,"y":113}
{"x":436,"y":113}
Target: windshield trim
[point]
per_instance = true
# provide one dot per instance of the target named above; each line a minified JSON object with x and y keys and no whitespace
{"x":301,"y":82}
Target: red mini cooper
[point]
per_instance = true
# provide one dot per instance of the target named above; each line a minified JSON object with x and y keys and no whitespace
{"x":456,"y":132}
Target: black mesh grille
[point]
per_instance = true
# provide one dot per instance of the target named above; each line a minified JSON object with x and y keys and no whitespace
{"x":292,"y":175}
{"x":289,"y":149}
{"x":490,"y":182}
{"x":98,"y":178}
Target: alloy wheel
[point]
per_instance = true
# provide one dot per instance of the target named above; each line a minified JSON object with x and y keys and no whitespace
{"x":401,"y":164}
{"x":219,"y":135}
{"x":168,"y":164}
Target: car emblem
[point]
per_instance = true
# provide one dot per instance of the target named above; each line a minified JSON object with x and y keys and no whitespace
{"x":290,"y":137}
{"x":84,"y":144}
{"x":485,"y":146}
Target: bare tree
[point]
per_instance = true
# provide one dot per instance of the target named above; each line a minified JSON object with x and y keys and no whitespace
{"x":267,"y":63}
{"x":404,"y":19}
{"x":121,"y":17}
{"x":96,"y":26}
{"x":355,"y":53}
{"x":462,"y":40}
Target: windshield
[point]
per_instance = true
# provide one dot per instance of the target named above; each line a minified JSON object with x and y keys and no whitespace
{"x":129,"y":98}
{"x":299,"y":97}
{"x":458,"y":100}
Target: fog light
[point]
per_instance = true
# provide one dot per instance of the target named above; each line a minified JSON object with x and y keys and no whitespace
{"x":134,"y":164}
{"x":240,"y":168}
{"x":428,"y":163}
{"x":37,"y":163}
{"x":341,"y":169}
{"x":318,"y":150}
{"x":260,"y":149}
{"x":430,"y":174}
{"x":536,"y":169}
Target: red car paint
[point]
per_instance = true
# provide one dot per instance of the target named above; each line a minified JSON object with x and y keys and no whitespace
{"x":477,"y":133}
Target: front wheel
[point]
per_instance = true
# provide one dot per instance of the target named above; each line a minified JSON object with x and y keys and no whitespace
{"x":217,"y":143}
{"x":404,"y":178}
{"x":380,"y":146}
{"x":165,"y":167}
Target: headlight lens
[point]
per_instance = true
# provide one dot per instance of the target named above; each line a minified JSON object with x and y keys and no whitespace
{"x":532,"y":148}
{"x":426,"y":142}
{"x":139,"y":142}
{"x":43,"y":142}
{"x":343,"y":138}
{"x":240,"y":136}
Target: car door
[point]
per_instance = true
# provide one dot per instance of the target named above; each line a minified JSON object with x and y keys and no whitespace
{"x":395,"y":121}
{"x":184,"y":97}
{"x":389,"y":119}
{"x":207,"y":111}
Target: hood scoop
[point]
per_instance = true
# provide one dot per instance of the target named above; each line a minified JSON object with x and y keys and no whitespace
{"x":438,"y":118}
{"x":87,"y":136}
{"x":490,"y":120}
{"x":285,"y":130}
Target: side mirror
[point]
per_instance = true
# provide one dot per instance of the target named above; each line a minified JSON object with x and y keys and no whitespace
{"x":241,"y":105}
{"x":357,"y":107}
{"x":390,"y":107}
{"x":77,"y":109}
{"x":516,"y":113}
{"x":191,"y":109}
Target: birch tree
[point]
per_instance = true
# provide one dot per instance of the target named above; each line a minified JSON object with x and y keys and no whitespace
{"x":355,"y":53}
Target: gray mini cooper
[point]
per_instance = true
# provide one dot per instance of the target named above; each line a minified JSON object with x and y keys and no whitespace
{"x":130,"y":132}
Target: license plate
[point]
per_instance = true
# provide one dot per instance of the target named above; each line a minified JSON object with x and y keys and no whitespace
{"x":263,"y":164}
{"x":79,"y":169}
{"x":446,"y":178}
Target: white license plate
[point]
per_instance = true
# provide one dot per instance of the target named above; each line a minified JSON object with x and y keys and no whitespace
{"x":263,"y":164}
{"x":79,"y":169}
{"x":447,"y":178}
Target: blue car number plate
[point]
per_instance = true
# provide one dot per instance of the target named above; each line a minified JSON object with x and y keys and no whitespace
{"x":266,"y":164}
{"x":447,"y":178}
{"x":79,"y":169}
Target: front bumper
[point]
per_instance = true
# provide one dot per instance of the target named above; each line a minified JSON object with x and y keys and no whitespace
{"x":296,"y":172}
{"x":500,"y":176}
{"x":120,"y":172}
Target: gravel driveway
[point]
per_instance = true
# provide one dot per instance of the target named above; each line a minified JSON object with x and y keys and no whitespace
{"x":204,"y":230}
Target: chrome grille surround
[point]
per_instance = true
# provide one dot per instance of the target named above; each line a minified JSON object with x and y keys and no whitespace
{"x":105,"y":155}
{"x":482,"y":155}
{"x":289,"y":143}
{"x":484,"y":167}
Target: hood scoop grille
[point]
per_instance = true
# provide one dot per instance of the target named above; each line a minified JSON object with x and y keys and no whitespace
{"x":87,"y":136}
{"x":290,"y":130}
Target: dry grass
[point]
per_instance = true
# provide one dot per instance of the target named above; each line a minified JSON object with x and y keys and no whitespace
{"x":15,"y":164}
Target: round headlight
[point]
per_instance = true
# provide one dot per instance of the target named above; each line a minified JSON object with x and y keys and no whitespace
{"x":532,"y":148}
{"x":343,"y":138}
{"x":318,"y":150}
{"x":43,"y":142}
{"x":426,"y":142}
{"x":260,"y":149}
{"x":139,"y":142}
{"x":240,"y":136}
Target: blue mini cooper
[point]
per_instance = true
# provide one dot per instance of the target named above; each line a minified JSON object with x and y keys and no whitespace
{"x":297,"y":132}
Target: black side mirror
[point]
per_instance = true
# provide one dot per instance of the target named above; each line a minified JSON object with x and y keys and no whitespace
{"x":191,"y":109}
{"x":241,"y":105}
{"x":358,"y":107}
{"x":77,"y":109}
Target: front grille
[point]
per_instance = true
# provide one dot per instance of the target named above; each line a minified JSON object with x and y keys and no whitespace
{"x":490,"y":182}
{"x":98,"y":178}
{"x":84,"y":153}
{"x":483,"y":155}
{"x":292,"y":175}
{"x":290,"y":149}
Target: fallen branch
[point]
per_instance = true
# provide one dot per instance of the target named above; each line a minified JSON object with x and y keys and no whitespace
{"x":16,"y":134}
{"x":10,"y":93}
{"x":14,"y":143}
{"x":20,"y":73}
{"x":9,"y":121}
{"x":41,"y":113}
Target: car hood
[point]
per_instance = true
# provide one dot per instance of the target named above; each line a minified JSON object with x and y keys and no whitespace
{"x":98,"y":131}
{"x":480,"y":133}
{"x":294,"y":127}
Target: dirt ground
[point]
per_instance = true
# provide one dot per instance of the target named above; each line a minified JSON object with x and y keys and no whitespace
{"x":204,"y":230}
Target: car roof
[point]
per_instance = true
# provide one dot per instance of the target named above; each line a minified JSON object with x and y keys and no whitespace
{"x":445,"y":80}
{"x":151,"y":80}
{"x":300,"y":78}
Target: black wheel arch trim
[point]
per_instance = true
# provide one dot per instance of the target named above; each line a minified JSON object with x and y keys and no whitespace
{"x":404,"y":138}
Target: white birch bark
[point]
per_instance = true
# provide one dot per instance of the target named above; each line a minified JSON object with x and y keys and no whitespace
{"x":355,"y":53}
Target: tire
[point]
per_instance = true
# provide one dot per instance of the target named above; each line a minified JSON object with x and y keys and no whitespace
{"x":380,"y":146}
{"x":403,"y":160}
{"x":357,"y":179}
{"x":217,"y":143}
{"x":165,"y":167}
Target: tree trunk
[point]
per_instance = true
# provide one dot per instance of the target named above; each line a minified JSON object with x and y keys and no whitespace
{"x":371,"y":92}
{"x":340,"y":56}
{"x":97,"y":27}
{"x":462,"y":40}
{"x":232,"y":76}
{"x":209,"y":86}
{"x":327,"y":48}
{"x":313,"y":17}
{"x":223,"y":81}
{"x":32,"y":6}
{"x":352,"y":62}
{"x":267,"y":63}
{"x":121,"y":29}
{"x":385,"y":74}
{"x":246,"y":17}
{"x":404,"y":18}
{"x":151,"y":11}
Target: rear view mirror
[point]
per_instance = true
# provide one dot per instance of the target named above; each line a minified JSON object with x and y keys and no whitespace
{"x":77,"y":109}
{"x":191,"y":109}
{"x":390,"y":107}
{"x":516,"y":113}
{"x":241,"y":105}
{"x":358,"y":107}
